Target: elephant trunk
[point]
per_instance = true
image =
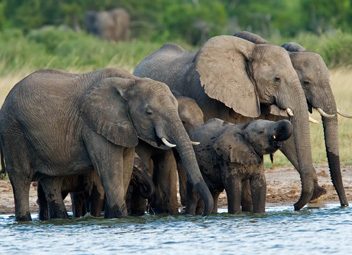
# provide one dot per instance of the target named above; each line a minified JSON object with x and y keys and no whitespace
{"x":332,"y":151}
{"x":301,"y":138}
{"x":189,"y":161}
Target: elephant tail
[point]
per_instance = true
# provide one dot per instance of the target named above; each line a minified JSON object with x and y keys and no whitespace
{"x":2,"y":171}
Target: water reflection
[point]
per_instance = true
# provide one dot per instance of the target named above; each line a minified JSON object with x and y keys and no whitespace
{"x":279,"y":231}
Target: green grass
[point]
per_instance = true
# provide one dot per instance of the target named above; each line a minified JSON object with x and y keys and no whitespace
{"x":65,"y":49}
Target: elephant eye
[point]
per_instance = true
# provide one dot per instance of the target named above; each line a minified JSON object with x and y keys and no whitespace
{"x":149,"y":111}
{"x":277,"y":79}
{"x":306,"y":82}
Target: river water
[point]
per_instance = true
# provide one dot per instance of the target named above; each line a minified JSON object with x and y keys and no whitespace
{"x":325,"y":230}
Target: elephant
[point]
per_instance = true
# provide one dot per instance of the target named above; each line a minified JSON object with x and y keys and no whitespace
{"x":55,"y":123}
{"x":162,"y":164}
{"x":236,"y":80}
{"x":87,"y":192}
{"x":113,"y":25}
{"x":314,"y":78}
{"x":230,"y":154}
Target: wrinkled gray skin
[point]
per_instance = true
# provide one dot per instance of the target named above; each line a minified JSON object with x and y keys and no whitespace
{"x":314,"y":78}
{"x":235,"y":80}
{"x":230,"y":154}
{"x":87,"y":193}
{"x":55,"y":124}
{"x":162,"y":164}
{"x":113,"y":25}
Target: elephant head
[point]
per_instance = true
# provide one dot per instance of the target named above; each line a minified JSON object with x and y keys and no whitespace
{"x":243,"y":76}
{"x":190,"y":113}
{"x":126,"y":109}
{"x":314,"y":78}
{"x":246,"y":144}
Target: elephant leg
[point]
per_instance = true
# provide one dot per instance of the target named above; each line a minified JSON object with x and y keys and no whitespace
{"x":288,"y":149}
{"x":182,"y":180}
{"x":20,"y":186}
{"x":216,"y":199}
{"x":233,"y":192}
{"x":108,"y":161}
{"x":42,"y":203}
{"x":246,"y":199}
{"x":97,"y":199}
{"x":192,"y":200}
{"x":128,"y":159}
{"x":78,"y":203}
{"x":52,"y":189}
{"x":165,"y":178}
{"x":258,"y":189}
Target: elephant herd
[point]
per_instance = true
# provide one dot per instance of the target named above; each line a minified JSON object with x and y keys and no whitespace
{"x":188,"y":123}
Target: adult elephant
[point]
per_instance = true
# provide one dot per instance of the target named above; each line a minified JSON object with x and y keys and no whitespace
{"x":113,"y":25}
{"x":54,"y":124}
{"x":314,"y":77}
{"x":233,"y":79}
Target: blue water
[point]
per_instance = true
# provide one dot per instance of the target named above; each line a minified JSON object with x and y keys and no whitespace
{"x":324,"y":230}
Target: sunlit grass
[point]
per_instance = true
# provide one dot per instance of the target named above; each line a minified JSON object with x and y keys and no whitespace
{"x":342,"y":89}
{"x":78,"y":52}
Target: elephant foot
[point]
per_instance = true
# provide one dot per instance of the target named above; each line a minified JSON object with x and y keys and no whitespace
{"x":56,"y":211}
{"x":26,"y":217}
{"x":115,"y":212}
{"x":318,"y":191}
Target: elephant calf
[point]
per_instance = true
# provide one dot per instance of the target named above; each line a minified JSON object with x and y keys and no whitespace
{"x":87,"y":193}
{"x":229,"y":155}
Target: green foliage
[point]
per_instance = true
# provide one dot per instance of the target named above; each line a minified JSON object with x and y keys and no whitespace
{"x":63,"y":48}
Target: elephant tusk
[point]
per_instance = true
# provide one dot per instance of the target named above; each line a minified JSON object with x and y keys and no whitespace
{"x":289,"y":112}
{"x":324,"y":114}
{"x":344,"y":114}
{"x":195,"y":143}
{"x":167,"y":143}
{"x":313,"y":120}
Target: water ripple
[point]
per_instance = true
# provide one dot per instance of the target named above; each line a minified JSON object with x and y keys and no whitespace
{"x":280,"y":231}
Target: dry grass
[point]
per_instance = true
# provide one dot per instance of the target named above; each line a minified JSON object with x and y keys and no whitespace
{"x":342,"y":89}
{"x":340,"y":80}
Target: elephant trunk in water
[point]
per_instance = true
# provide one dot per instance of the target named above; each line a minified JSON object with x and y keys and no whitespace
{"x":330,"y":125}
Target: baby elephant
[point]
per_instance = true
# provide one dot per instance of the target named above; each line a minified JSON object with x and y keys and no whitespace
{"x":230,"y":154}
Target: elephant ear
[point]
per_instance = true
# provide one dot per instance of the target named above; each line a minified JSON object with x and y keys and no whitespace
{"x":232,"y":147}
{"x":223,"y":66}
{"x":104,"y":110}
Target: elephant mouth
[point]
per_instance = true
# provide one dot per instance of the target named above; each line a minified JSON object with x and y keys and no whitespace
{"x":275,"y":145}
{"x":310,"y":107}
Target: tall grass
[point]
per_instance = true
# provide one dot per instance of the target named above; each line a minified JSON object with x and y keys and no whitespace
{"x":64,"y":49}
{"x":342,"y":89}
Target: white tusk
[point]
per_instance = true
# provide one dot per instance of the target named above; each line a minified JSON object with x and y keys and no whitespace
{"x":195,"y":143}
{"x":289,"y":112}
{"x":313,"y":120}
{"x":167,"y":143}
{"x":343,"y":114}
{"x":324,"y":114}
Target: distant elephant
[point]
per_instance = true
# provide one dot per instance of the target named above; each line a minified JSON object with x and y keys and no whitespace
{"x":229,"y":154}
{"x":314,"y":78}
{"x":236,"y":80}
{"x":162,"y":164}
{"x":55,"y":124}
{"x":113,"y":25}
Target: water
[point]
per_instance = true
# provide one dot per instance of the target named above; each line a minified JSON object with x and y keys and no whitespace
{"x":325,"y":230}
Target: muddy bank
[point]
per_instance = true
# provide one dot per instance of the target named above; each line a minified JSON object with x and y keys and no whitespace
{"x":283,"y":187}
